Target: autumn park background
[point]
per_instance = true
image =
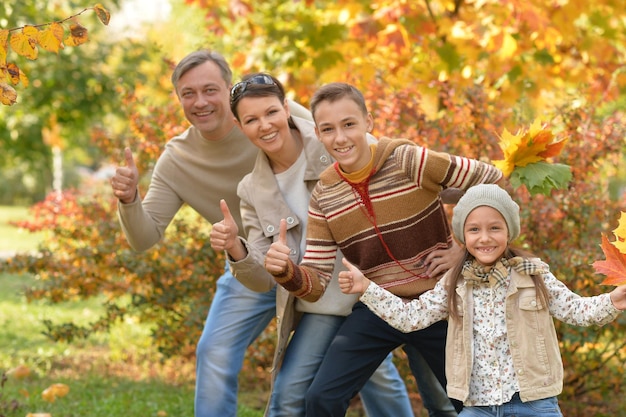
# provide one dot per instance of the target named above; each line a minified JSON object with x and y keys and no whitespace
{"x":116,"y":330}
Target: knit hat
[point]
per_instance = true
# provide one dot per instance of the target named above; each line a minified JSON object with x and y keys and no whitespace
{"x":490,"y":195}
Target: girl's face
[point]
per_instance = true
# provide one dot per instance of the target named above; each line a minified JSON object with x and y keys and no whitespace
{"x":486,"y":235}
{"x":264,"y":120}
{"x":342,"y":127}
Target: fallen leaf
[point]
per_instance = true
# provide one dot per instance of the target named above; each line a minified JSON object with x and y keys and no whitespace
{"x":51,"y":393}
{"x":20,"y":372}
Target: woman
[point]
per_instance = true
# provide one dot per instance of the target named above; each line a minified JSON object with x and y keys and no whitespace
{"x":279,"y":187}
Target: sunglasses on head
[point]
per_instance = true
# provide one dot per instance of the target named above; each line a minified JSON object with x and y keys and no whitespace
{"x":239,"y":88}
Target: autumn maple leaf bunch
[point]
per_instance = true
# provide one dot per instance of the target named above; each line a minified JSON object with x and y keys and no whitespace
{"x":527,"y":157}
{"x":614,"y":266}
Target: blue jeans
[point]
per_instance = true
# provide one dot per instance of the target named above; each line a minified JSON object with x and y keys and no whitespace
{"x":360,"y":345}
{"x":546,"y":407}
{"x":236,"y":318}
{"x":384,"y":394}
{"x":434,"y":396}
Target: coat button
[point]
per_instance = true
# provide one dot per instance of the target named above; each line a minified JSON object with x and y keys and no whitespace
{"x":290,"y":220}
{"x":324,"y":159}
{"x":270,"y":229}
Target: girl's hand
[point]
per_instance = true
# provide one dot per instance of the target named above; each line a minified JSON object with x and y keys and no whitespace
{"x":618,"y":297}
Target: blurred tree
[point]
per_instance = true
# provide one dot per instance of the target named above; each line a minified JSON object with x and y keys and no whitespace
{"x":70,"y":93}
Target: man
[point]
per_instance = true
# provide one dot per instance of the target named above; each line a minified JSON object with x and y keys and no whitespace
{"x":201,"y":166}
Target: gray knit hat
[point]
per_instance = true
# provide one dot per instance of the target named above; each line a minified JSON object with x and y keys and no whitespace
{"x":490,"y":195}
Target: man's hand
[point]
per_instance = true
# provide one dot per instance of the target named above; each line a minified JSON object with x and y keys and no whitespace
{"x":277,"y":256}
{"x":125,"y":180}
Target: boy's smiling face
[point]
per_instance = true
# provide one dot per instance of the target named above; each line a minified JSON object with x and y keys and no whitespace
{"x":342,"y":127}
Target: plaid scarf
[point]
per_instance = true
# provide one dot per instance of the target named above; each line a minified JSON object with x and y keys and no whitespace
{"x":497,"y":274}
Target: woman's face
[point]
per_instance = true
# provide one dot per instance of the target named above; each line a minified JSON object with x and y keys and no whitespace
{"x":265,"y":121}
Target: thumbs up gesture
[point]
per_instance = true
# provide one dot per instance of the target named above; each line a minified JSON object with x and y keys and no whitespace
{"x":277,"y":256}
{"x":125,"y":180}
{"x":225,"y":235}
{"x":352,"y":281}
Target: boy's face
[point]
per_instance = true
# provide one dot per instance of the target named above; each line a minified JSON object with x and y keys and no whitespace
{"x":342,"y":127}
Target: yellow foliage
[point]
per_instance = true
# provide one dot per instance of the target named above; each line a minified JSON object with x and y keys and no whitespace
{"x":4,"y":38}
{"x":102,"y":13}
{"x":620,"y":234}
{"x":8,"y":95}
{"x":51,"y":38}
{"x":78,"y":35}
{"x":38,"y":415}
{"x":24,"y":43}
{"x":527,"y":147}
{"x":508,"y":48}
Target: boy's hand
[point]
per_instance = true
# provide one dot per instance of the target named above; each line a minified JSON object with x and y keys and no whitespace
{"x":440,"y":261}
{"x":352,"y":281}
{"x":277,"y":256}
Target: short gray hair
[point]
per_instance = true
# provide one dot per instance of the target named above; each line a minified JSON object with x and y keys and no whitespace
{"x":200,"y":57}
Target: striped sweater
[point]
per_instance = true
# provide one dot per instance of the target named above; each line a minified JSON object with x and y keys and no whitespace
{"x":386,"y":227}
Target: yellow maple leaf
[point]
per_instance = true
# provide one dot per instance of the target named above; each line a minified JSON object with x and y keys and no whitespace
{"x":527,"y":146}
{"x":620,"y":234}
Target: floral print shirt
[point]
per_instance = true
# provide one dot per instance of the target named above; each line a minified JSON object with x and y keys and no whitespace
{"x":493,"y":380}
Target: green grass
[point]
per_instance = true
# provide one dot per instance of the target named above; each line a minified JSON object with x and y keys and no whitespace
{"x":116,"y":374}
{"x":13,"y":238}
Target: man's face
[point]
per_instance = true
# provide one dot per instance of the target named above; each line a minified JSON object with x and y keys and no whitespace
{"x":204,"y":96}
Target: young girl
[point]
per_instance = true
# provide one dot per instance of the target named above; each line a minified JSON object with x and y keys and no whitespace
{"x":502,"y":352}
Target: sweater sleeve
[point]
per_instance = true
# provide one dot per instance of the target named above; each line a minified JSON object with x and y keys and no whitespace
{"x":250,"y":270}
{"x":438,"y":169}
{"x":144,"y":222}
{"x":407,"y":316}
{"x":571,"y":308}
{"x":310,"y":279}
